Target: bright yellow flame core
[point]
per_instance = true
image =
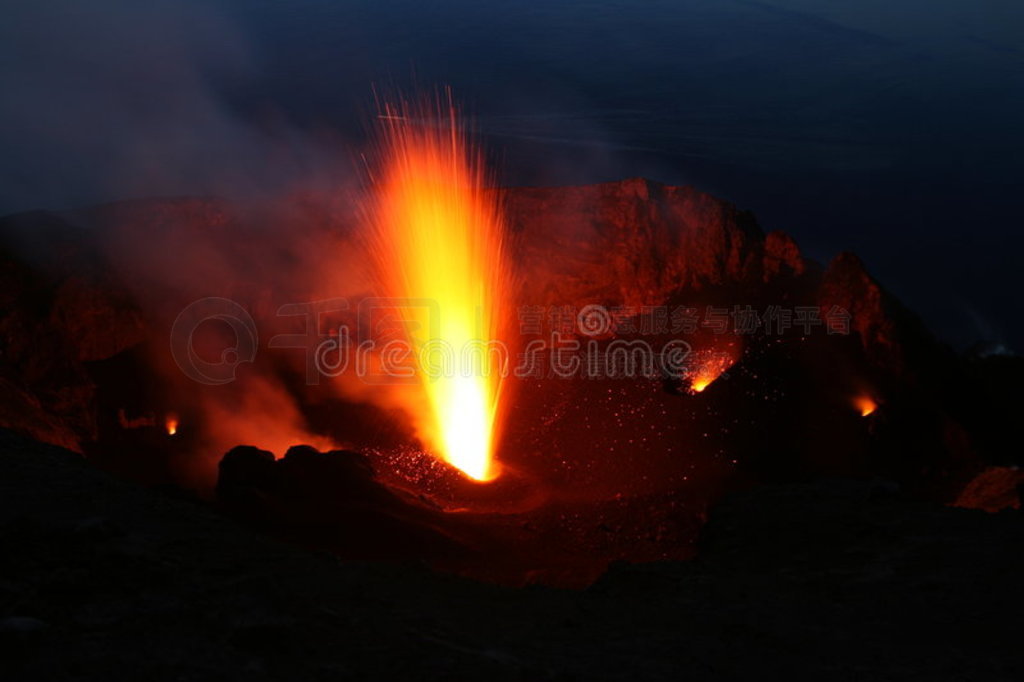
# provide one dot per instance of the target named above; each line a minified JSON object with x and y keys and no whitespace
{"x":439,"y":237}
{"x":700,"y":384}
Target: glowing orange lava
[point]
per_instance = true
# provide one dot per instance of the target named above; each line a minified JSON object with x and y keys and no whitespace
{"x":709,"y":366}
{"x":865,"y":405}
{"x":171,"y":424}
{"x":439,"y":237}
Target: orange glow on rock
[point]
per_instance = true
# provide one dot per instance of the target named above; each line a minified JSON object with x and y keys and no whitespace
{"x":865,"y":405}
{"x":438,"y":235}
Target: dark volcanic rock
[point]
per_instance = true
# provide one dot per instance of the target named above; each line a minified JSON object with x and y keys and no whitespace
{"x":824,"y":580}
{"x":893,"y":338}
{"x":782,"y":256}
{"x":632,"y":242}
{"x":330,"y":500}
{"x":847,"y":285}
{"x":60,"y":306}
{"x":993,"y":490}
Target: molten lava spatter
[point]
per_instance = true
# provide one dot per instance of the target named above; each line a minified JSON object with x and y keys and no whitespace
{"x":708,"y":366}
{"x":439,"y":240}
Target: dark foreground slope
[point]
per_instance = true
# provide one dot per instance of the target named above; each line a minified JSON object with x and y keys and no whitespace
{"x":100,"y":579}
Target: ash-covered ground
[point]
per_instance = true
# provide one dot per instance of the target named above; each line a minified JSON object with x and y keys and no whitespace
{"x":828,"y":580}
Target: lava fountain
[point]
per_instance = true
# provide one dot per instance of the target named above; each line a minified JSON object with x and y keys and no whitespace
{"x":708,"y":366}
{"x":439,"y":244}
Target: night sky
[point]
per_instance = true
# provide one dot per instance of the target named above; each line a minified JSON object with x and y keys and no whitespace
{"x":886,"y":127}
